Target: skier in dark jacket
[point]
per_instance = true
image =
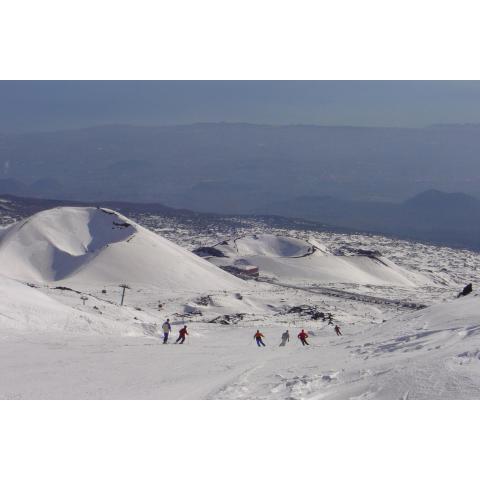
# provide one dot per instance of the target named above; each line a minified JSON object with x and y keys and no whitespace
{"x":167,"y":328}
{"x":303,"y":337}
{"x":258,"y":337}
{"x":466,"y":290}
{"x":337,"y":330}
{"x":285,"y":338}
{"x":181,"y":335}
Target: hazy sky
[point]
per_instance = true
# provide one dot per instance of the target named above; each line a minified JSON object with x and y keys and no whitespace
{"x":44,"y":105}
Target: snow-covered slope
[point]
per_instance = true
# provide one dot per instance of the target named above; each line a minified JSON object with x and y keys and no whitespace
{"x":291,"y":259}
{"x":433,"y":353}
{"x":27,"y":309}
{"x":69,"y":255}
{"x":268,"y":245}
{"x":97,"y":246}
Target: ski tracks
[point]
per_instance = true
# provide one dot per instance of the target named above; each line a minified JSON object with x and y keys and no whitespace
{"x":302,"y":387}
{"x":240,"y":387}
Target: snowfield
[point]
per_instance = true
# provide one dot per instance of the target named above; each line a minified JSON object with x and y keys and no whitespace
{"x":63,"y":333}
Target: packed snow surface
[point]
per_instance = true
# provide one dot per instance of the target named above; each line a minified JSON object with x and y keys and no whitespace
{"x":27,"y":309}
{"x":64,"y":334}
{"x":430,"y":354}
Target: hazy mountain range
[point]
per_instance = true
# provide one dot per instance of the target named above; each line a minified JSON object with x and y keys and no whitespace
{"x":386,"y":180}
{"x":432,"y":216}
{"x":236,"y":168}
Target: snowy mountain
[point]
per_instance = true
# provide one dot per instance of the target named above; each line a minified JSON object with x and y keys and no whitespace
{"x":65,"y":334}
{"x":294,"y":260}
{"x":99,"y":246}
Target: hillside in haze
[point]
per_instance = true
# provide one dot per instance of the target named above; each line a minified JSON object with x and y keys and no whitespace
{"x":434,"y":216}
{"x":238,"y":168}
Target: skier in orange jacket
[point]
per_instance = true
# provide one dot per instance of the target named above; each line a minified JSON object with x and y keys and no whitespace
{"x":258,"y":337}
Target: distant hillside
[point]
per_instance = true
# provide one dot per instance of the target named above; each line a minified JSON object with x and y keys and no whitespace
{"x":13,"y":208}
{"x":236,"y":168}
{"x":432,"y":216}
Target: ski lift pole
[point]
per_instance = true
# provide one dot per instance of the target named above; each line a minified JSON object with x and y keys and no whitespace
{"x":124,"y":287}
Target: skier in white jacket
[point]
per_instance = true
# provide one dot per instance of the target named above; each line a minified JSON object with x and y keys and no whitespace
{"x":167,"y":328}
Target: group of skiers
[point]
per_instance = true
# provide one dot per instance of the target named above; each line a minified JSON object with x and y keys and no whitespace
{"x":167,"y":328}
{"x":302,"y":336}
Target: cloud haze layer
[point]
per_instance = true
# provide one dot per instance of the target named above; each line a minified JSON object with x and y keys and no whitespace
{"x":50,"y":105}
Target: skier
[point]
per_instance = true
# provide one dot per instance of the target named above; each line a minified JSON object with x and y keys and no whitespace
{"x":303,"y":337}
{"x":258,"y":337}
{"x":466,"y":290}
{"x":181,"y":335}
{"x":167,"y":328}
{"x":337,"y":330}
{"x":285,"y":338}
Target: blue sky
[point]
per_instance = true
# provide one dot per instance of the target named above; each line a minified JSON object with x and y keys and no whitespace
{"x":45,"y":105}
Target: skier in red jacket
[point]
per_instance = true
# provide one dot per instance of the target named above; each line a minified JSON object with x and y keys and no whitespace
{"x":181,"y":335}
{"x":303,"y":337}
